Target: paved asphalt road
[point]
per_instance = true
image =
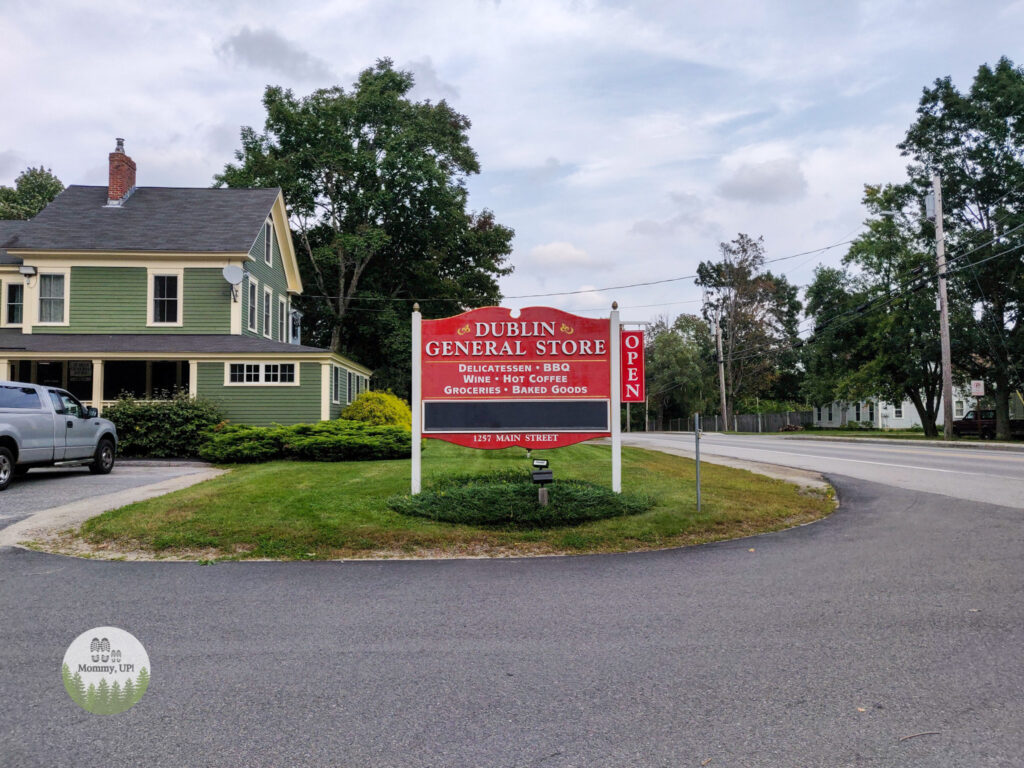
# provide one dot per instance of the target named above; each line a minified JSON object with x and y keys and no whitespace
{"x":972,"y":474}
{"x":52,"y":487}
{"x":828,"y":645}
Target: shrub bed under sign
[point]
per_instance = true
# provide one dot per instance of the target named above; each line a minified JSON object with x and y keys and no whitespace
{"x":338,"y":440}
{"x":508,"y":498}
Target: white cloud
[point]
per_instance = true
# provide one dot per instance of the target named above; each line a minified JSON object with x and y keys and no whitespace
{"x":773,"y":181}
{"x":559,"y":254}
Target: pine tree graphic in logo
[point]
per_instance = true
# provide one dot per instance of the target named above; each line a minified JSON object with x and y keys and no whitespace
{"x":106,"y":671}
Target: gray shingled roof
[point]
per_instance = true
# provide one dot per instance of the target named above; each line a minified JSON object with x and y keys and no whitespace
{"x":13,"y":341}
{"x":151,"y":219}
{"x":9,"y":231}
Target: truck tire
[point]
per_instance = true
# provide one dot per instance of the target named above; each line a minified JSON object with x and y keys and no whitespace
{"x":6,"y":467}
{"x":103,"y":459}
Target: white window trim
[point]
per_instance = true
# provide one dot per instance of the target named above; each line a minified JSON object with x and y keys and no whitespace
{"x":4,"y":282}
{"x":38,"y":298}
{"x":151,"y":275}
{"x":252,"y":320}
{"x":336,"y":371}
{"x":282,"y":320}
{"x":268,"y":243}
{"x":350,"y":380}
{"x":267,"y":306}
{"x":261,"y":382}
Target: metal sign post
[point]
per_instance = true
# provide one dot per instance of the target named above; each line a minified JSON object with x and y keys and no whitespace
{"x":696,"y":440}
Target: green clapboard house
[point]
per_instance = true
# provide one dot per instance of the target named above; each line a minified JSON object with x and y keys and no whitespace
{"x":152,"y":290}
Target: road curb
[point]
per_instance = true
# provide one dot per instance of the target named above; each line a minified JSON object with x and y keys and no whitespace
{"x":920,"y":443}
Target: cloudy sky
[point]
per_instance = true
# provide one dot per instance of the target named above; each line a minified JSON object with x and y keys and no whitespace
{"x":621,"y":140}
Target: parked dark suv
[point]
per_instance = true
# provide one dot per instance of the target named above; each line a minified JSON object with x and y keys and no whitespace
{"x":982,"y":423}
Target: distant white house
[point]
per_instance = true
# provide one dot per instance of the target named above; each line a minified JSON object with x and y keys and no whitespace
{"x":898,"y":415}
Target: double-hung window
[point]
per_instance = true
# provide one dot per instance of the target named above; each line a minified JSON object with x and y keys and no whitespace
{"x":51,"y":298}
{"x":15,"y":304}
{"x":253,"y":307}
{"x":268,"y":243}
{"x":268,"y":310}
{"x":897,"y":411}
{"x":282,"y":320}
{"x":166,"y":310}
{"x":336,"y":384}
{"x":348,"y":389}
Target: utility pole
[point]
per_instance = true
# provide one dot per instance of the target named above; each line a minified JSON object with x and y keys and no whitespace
{"x":947,"y":367}
{"x":721,"y":371}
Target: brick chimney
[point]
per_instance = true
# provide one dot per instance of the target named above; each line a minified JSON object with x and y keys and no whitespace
{"x":122,"y":175}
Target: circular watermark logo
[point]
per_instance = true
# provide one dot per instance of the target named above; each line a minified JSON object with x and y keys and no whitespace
{"x":106,"y":670}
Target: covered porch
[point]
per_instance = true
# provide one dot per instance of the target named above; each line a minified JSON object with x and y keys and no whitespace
{"x":99,"y":382}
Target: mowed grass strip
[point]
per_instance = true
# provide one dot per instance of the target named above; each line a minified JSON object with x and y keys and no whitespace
{"x":305,"y":510}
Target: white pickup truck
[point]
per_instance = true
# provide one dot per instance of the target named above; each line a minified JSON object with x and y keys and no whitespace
{"x":46,"y":427}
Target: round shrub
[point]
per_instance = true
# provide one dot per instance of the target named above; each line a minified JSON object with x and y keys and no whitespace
{"x":162,"y":429}
{"x":508,"y":498}
{"x":379,"y":408}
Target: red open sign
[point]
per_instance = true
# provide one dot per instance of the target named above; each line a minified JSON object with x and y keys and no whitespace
{"x":633,"y":367}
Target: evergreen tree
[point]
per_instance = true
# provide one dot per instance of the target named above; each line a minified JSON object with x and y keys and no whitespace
{"x":128,"y":694}
{"x":141,"y":683}
{"x":91,"y":700}
{"x":116,"y":700}
{"x":102,"y":698}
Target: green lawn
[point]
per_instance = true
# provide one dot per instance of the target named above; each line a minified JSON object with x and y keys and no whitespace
{"x":301,"y":510}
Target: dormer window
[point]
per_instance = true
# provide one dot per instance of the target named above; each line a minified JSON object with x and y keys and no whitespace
{"x":268,"y":243}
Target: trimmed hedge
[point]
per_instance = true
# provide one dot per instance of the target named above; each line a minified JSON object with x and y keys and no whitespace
{"x":379,"y":408}
{"x":508,"y":498}
{"x":162,"y":429}
{"x":339,"y":440}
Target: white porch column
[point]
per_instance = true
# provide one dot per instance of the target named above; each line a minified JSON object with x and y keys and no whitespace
{"x":193,"y":378}
{"x":5,"y":369}
{"x":97,"y":384}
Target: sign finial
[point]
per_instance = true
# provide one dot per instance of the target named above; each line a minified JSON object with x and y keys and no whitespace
{"x":416,"y":306}
{"x":615,"y":305}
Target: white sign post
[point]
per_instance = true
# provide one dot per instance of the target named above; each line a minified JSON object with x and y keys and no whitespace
{"x":616,"y":352}
{"x":417,"y":396}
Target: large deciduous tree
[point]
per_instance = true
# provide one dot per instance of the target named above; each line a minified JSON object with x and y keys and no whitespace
{"x":975,"y":141}
{"x":758,"y":313}
{"x":375,"y":186}
{"x":33,"y":190}
{"x":876,"y":330}
{"x":679,"y":368}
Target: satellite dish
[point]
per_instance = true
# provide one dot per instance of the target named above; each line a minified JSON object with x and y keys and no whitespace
{"x":233,"y":274}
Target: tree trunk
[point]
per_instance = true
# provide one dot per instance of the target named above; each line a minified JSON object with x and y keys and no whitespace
{"x":927,"y":414}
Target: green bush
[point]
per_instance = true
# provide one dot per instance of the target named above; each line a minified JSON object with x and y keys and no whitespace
{"x":379,"y":408}
{"x":508,"y":498}
{"x":162,"y":428}
{"x":339,"y":440}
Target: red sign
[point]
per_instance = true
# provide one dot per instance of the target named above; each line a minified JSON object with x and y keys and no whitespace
{"x":540,"y":379}
{"x":632,"y":358}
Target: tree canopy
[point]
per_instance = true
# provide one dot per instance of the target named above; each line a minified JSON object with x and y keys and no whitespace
{"x":33,"y":190}
{"x":376,"y":195}
{"x":975,"y":142}
{"x":758,"y":313}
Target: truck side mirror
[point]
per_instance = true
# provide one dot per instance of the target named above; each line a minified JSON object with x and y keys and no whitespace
{"x":91,"y":413}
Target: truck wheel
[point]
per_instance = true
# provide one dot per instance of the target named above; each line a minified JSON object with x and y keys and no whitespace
{"x":103,"y":460}
{"x":6,"y":467}
{"x":987,"y":435}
